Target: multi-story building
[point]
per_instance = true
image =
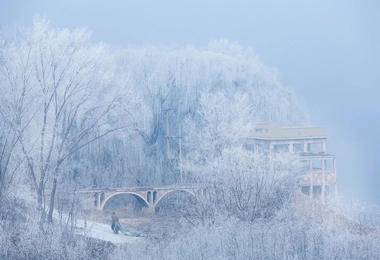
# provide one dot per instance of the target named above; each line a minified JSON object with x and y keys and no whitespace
{"x":308,"y":145}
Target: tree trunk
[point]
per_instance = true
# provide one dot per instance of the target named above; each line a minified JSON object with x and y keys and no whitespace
{"x":51,"y":204}
{"x":40,"y":207}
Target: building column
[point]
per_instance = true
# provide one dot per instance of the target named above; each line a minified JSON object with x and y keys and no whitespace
{"x":323,"y":180}
{"x":336,"y":179}
{"x":291,"y":147}
{"x":271,"y":148}
{"x":311,"y":178}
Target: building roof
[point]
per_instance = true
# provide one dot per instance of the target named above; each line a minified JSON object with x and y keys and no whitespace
{"x":275,"y":132}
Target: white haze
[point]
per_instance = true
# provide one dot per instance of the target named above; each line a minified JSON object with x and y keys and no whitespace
{"x":328,"y":52}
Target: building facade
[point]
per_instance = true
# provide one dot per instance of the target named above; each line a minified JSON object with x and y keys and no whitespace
{"x":305,"y":143}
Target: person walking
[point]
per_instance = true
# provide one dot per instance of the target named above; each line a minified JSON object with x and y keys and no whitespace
{"x":115,"y":223}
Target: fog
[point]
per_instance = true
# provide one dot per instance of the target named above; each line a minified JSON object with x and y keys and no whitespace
{"x":327,"y":52}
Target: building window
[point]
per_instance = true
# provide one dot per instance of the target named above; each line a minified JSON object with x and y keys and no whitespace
{"x":305,"y":190}
{"x":317,"y":190}
{"x":315,"y":148}
{"x":317,"y":165}
{"x":329,"y":165}
{"x":304,"y":166}
{"x":249,"y":147}
{"x":281,"y":148}
{"x":297,"y":148}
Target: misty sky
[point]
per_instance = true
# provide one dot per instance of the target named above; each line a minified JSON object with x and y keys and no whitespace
{"x":327,"y":51}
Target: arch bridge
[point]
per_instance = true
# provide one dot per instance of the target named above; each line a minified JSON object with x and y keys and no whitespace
{"x":150,"y":196}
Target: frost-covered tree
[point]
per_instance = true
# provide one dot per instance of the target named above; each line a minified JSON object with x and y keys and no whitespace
{"x":177,"y":81}
{"x":9,"y":161}
{"x":239,"y":182}
{"x":64,"y":95}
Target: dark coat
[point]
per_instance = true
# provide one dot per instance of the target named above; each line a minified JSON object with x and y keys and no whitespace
{"x":115,"y":218}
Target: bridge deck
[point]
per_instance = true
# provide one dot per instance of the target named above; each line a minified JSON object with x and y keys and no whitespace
{"x":141,"y":188}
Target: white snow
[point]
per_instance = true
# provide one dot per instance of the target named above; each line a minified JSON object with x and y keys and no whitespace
{"x":100,"y":231}
{"x":103,"y":232}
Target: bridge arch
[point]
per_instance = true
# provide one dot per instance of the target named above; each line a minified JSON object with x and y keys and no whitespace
{"x":123,"y":192}
{"x":169,"y":191}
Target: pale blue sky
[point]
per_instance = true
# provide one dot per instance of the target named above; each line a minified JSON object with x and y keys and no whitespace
{"x":327,"y":51}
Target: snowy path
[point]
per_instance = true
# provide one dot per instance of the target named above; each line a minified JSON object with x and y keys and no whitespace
{"x":100,"y":231}
{"x":103,"y":232}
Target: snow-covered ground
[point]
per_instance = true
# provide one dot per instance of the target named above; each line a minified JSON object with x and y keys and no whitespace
{"x":103,"y":232}
{"x":100,"y":231}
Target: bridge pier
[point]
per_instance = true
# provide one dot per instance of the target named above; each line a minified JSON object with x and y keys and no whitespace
{"x":99,"y":198}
